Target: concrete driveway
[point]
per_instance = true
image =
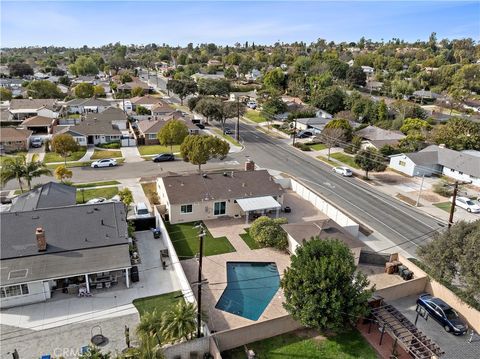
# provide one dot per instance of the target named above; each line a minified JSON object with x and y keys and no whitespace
{"x":131,"y":154}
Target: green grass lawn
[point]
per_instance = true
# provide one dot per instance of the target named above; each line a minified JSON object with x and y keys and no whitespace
{"x":444,"y":205}
{"x":342,"y":157}
{"x":255,"y":116}
{"x":75,"y":156}
{"x":226,"y":137}
{"x":325,"y":159}
{"x":101,"y":154}
{"x":95,"y":184}
{"x":349,"y":345}
{"x":162,"y":303}
{"x":249,"y":240}
{"x":317,"y":146}
{"x":156,"y":149}
{"x":186,"y":242}
{"x":4,"y":157}
{"x":88,"y":194}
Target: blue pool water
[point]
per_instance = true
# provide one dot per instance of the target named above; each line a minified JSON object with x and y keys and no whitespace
{"x":250,"y":288}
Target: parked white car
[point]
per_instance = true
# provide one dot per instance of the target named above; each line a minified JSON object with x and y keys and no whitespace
{"x":97,"y":200}
{"x":252,"y":105}
{"x":466,"y":203}
{"x":141,"y":210}
{"x":344,"y":171}
{"x":107,"y":162}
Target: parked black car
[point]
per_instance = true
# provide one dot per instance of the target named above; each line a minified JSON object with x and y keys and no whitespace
{"x":228,"y":131}
{"x":443,"y":314}
{"x":200,"y":126}
{"x":164,"y":157}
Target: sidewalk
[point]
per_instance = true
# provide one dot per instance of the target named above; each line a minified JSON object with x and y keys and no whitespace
{"x":131,"y":154}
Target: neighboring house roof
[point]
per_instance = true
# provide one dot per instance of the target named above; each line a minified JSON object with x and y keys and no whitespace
{"x":95,"y":127}
{"x":146,"y":100}
{"x":155,"y":125}
{"x":91,"y":102}
{"x":27,"y":104}
{"x":215,"y":186}
{"x":48,"y":195}
{"x":323,"y":228}
{"x":377,"y":133}
{"x":133,"y":84}
{"x":109,"y":115}
{"x":162,"y":108}
{"x":66,"y":229}
{"x":314,"y":121}
{"x":425,"y":94}
{"x":217,"y":76}
{"x":38,"y":121}
{"x":14,"y":134}
{"x":380,"y":143}
{"x":5,"y":114}
{"x":465,"y":162}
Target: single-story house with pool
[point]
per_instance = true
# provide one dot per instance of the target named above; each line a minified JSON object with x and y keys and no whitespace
{"x":197,"y":197}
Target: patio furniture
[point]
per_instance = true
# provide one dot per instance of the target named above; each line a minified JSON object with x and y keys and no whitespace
{"x":108,"y":284}
{"x":287,"y":209}
{"x":99,"y":285}
{"x":99,"y":338}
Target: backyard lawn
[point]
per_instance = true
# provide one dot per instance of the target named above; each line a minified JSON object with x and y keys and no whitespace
{"x":302,"y":344}
{"x":156,"y":149}
{"x":227,"y":137}
{"x":96,"y":184}
{"x":101,"y":154}
{"x":54,"y":157}
{"x":249,"y":240}
{"x":186,"y":242}
{"x":84,"y":195}
{"x":255,"y":116}
{"x":162,"y":303}
{"x":317,"y":146}
{"x":342,"y":157}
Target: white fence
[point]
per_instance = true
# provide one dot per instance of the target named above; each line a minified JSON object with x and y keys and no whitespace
{"x":128,"y":142}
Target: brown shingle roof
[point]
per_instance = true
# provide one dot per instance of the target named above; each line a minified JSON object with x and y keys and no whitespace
{"x":155,"y":125}
{"x":95,"y":127}
{"x":109,"y":115}
{"x":23,"y":104}
{"x":38,"y":121}
{"x":13,"y":134}
{"x":146,"y":100}
{"x":376,"y":133}
{"x":242,"y":184}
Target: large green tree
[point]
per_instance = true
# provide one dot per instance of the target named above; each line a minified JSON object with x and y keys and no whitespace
{"x":182,"y":88}
{"x":43,"y":89}
{"x":458,"y":134}
{"x":322,"y":287}
{"x":199,"y":149}
{"x":370,"y":160}
{"x":356,"y":76}
{"x":267,"y":232}
{"x":83,"y":65}
{"x":64,"y":144}
{"x":331,"y":99}
{"x":173,"y":133}
{"x":84,"y":90}
{"x":274,"y":105}
{"x":5,"y":94}
{"x":35,"y":169}
{"x":13,"y":168}
{"x":226,"y":110}
{"x":274,"y":80}
{"x":213,"y":87}
{"x":20,"y":69}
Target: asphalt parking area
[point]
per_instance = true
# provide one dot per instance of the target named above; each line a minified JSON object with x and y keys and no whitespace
{"x":455,"y":347}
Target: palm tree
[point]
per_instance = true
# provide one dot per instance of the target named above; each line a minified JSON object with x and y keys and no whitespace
{"x":151,"y":324}
{"x":179,"y":323}
{"x":13,"y":168}
{"x":35,"y":169}
{"x":148,"y":349}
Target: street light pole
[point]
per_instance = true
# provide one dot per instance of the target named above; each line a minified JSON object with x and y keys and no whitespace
{"x":237,"y":132}
{"x":420,"y":191}
{"x":452,"y":206}
{"x":294,"y":132}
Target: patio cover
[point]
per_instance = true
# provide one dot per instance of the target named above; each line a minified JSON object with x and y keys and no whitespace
{"x":258,"y":203}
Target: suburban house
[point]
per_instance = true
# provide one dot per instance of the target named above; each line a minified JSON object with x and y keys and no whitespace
{"x":148,"y":129}
{"x":376,"y":137}
{"x":146,"y":101}
{"x":199,"y":76}
{"x":462,"y":166}
{"x":39,"y":124}
{"x":14,"y":139}
{"x":49,"y":195}
{"x":93,"y":132}
{"x":49,"y":111}
{"x":368,"y":70}
{"x":423,"y":95}
{"x":253,"y":75}
{"x":62,"y":251}
{"x":205,"y":196}
{"x":129,"y":86}
{"x":314,"y":124}
{"x":86,"y":105}
{"x":112,"y":115}
{"x":299,"y":233}
{"x":162,"y":109}
{"x":23,"y":108}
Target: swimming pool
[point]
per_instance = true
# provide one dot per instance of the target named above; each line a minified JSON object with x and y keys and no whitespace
{"x":250,"y":288}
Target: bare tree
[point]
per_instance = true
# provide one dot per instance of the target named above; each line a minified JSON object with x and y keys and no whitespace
{"x":332,"y":137}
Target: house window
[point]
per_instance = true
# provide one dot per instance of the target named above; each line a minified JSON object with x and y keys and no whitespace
{"x":152,"y":136}
{"x":186,"y":208}
{"x":402,"y":163}
{"x":14,"y":290}
{"x":219,"y":208}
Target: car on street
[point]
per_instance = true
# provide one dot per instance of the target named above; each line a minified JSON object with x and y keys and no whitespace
{"x":200,"y":126}
{"x":305,"y":134}
{"x":107,"y":162}
{"x":97,"y":200}
{"x":252,"y":105}
{"x":141,"y":210}
{"x":466,"y":203}
{"x":228,"y":131}
{"x":36,"y":142}
{"x":445,"y":315}
{"x":164,"y":157}
{"x":344,"y":171}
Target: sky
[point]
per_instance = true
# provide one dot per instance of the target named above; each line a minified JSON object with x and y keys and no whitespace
{"x":96,"y":23}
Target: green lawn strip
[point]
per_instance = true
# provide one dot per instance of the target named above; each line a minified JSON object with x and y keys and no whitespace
{"x":161,"y":303}
{"x":227,"y":137}
{"x":444,"y":205}
{"x":84,"y":195}
{"x":349,"y":345}
{"x":156,"y":149}
{"x":342,"y":157}
{"x":251,"y":243}
{"x":186,"y":242}
{"x":101,"y":154}
{"x":54,"y":157}
{"x":255,"y":116}
{"x":95,"y":184}
{"x":317,"y":146}
{"x":325,"y":159}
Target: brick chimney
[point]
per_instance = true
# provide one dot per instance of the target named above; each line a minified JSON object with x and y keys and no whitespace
{"x":249,"y":165}
{"x":41,"y":240}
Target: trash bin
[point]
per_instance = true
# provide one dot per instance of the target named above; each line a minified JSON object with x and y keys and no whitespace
{"x":134,"y":274}
{"x":157,"y":233}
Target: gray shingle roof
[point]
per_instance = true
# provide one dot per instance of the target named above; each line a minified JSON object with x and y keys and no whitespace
{"x":314,"y":121}
{"x":13,"y":134}
{"x":24,"y":104}
{"x":377,"y":133}
{"x":48,"y":195}
{"x":38,"y":121}
{"x":242,"y":184}
{"x":95,"y":127}
{"x":66,"y":229}
{"x":109,"y":115}
{"x":88,"y":102}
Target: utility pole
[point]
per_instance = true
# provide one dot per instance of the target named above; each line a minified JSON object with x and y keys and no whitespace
{"x":452,"y":206}
{"x":294,"y":132}
{"x":237,"y":132}
{"x":199,"y":293}
{"x":420,"y":192}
